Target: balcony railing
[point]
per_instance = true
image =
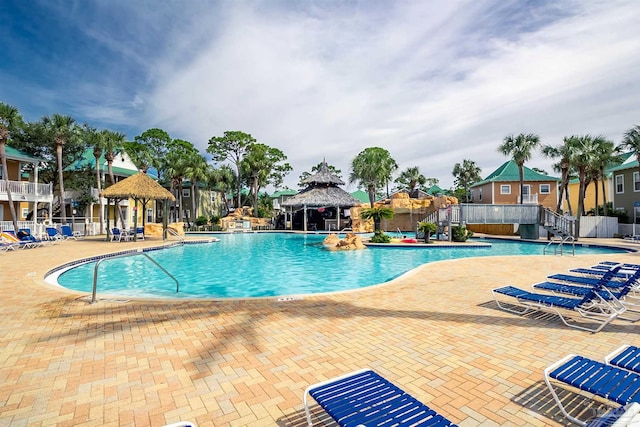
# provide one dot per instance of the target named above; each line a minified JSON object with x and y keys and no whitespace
{"x":27,"y":189}
{"x":530,"y":198}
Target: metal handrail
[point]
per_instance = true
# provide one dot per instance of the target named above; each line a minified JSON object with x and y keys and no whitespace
{"x":173,"y":233}
{"x":139,"y":252}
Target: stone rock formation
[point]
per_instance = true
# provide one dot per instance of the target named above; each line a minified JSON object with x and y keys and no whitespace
{"x":351,"y":242}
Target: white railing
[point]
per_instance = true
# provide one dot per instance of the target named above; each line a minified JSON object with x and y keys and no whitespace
{"x":529,"y":198}
{"x":24,"y":188}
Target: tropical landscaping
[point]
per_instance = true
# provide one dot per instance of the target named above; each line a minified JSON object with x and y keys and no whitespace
{"x":242,"y":168}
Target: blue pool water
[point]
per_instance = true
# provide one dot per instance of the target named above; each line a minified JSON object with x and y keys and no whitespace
{"x":268,"y":264}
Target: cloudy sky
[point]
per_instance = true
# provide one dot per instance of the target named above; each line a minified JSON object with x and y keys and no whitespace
{"x":433,"y":82}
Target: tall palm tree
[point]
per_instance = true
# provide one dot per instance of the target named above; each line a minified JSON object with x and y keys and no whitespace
{"x":411,"y":180}
{"x":9,"y":119}
{"x":584,"y":153}
{"x":605,"y":154}
{"x":62,"y":129}
{"x":563,"y":153}
{"x":196,"y":172}
{"x":112,"y":143}
{"x":223,"y":178}
{"x":466,"y":174}
{"x":631,"y":142}
{"x":520,"y":148}
{"x":372,"y":168}
{"x":95,"y":139}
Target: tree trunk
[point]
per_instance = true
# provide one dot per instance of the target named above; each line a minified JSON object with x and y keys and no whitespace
{"x":605,"y":208}
{"x":99,"y":187}
{"x":63,"y":205}
{"x":117,"y":201}
{"x":521,"y":173}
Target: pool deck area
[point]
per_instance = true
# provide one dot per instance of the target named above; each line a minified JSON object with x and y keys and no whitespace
{"x":435,"y":332}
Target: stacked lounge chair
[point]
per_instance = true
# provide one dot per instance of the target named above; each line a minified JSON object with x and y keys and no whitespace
{"x":592,"y":306}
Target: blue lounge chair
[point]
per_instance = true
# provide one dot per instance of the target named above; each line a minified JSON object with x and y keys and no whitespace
{"x":67,"y":233}
{"x":118,"y":235}
{"x":139,"y":233}
{"x":53,"y":234}
{"x":586,"y":281}
{"x":364,"y":398}
{"x":591,"y":306}
{"x":625,"y":357}
{"x":608,"y":382}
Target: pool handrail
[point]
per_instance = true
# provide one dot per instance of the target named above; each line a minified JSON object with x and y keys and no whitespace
{"x":138,"y":252}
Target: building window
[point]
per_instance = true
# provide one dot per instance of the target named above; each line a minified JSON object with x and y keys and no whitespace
{"x":25,"y":213}
{"x":636,"y":181}
{"x":619,"y":184}
{"x":149,"y":215}
{"x":545,"y":188}
{"x":480,"y":194}
{"x":505,"y":189}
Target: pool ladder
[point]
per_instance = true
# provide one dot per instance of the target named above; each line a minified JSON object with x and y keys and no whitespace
{"x":173,"y":233}
{"x":138,"y":252}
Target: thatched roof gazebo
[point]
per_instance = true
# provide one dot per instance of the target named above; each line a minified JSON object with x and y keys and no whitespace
{"x":322,"y":192}
{"x":139,"y":187}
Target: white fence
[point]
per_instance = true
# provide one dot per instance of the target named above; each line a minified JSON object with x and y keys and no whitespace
{"x":598,"y":226}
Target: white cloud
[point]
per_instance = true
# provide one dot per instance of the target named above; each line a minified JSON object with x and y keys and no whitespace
{"x":432,"y":82}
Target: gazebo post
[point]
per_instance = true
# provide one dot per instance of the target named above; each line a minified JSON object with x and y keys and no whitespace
{"x":165,"y":213}
{"x":337,"y":219}
{"x":135,"y":220}
{"x":304,"y":228}
{"x":108,"y":228}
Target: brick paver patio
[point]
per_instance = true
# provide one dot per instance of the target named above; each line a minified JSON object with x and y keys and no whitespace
{"x":435,"y":332}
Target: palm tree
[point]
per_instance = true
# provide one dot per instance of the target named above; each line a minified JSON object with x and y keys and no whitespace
{"x":466,"y":174}
{"x":411,"y":180}
{"x":9,"y":119}
{"x":377,"y":214}
{"x":631,"y":142}
{"x":584,"y":153}
{"x":605,"y":154}
{"x":96,"y":139}
{"x":196,"y":172}
{"x":223,"y":178}
{"x":562,"y":152}
{"x":62,"y":129}
{"x":520,"y":149}
{"x":113,"y":142}
{"x":372,"y":168}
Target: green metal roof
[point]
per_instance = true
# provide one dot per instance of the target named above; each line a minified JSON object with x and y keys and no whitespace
{"x":361,"y":196}
{"x":21,"y":156}
{"x":508,"y":172}
{"x":286,"y":192}
{"x":434,"y":189}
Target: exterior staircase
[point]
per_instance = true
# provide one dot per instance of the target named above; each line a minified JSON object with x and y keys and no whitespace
{"x":562,"y":229}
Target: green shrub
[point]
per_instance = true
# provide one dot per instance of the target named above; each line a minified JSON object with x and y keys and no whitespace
{"x":427,"y":228}
{"x":201,"y":220}
{"x":380,"y":237}
{"x":460,"y":234}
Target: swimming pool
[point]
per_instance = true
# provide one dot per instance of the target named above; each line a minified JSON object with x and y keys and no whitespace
{"x":272,"y":264}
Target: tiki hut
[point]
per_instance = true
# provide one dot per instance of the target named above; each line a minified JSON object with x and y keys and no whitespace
{"x":322,"y":205}
{"x":139,"y":187}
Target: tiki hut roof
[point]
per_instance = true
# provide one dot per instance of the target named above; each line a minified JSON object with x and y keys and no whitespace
{"x":322,"y":196}
{"x":323,"y":176}
{"x":138,"y":186}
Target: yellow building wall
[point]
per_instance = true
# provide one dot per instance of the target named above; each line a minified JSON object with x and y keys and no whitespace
{"x":589,"y":196}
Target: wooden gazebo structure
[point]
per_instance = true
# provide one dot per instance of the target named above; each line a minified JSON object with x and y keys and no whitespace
{"x":138,"y":187}
{"x":321,"y":195}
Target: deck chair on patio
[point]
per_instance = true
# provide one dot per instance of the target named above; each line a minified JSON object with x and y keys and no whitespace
{"x":627,"y":292}
{"x":139,"y":233}
{"x":118,"y":235}
{"x":611,"y":383}
{"x":67,"y":233}
{"x":53,"y":234}
{"x":364,"y":398}
{"x":592,"y":306}
{"x":625,"y":357}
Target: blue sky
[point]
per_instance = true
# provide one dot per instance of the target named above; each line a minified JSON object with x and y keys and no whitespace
{"x":433,"y":82}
